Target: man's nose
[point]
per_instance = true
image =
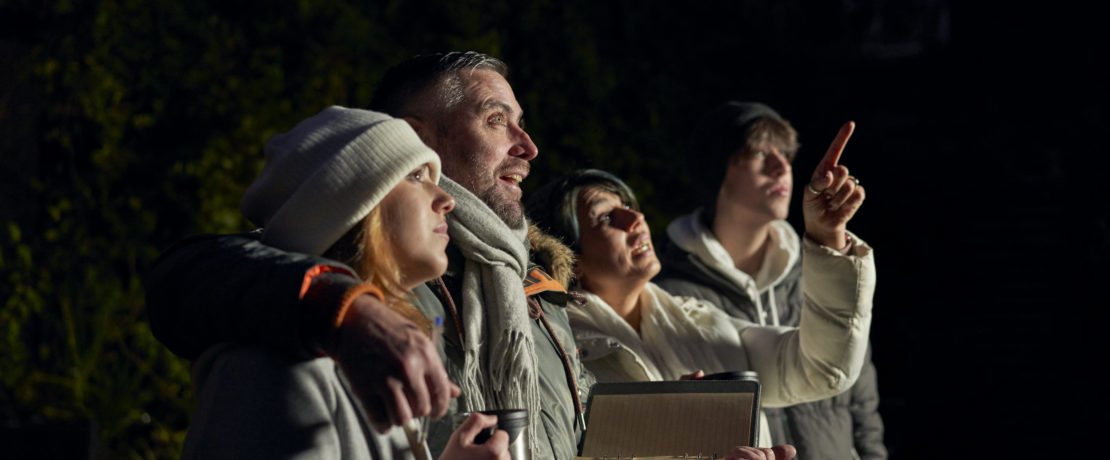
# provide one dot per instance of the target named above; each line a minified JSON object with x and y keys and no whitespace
{"x":776,"y":165}
{"x":626,"y":219}
{"x":523,"y":147}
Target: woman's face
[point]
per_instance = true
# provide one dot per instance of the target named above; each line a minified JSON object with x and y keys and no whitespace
{"x":614,"y":241}
{"x":413,"y":220}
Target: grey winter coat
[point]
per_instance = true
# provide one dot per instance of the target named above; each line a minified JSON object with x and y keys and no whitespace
{"x":255,"y":402}
{"x":250,"y":294}
{"x":561,"y":374}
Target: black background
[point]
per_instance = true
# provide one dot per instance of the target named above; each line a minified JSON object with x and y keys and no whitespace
{"x":980,"y":140}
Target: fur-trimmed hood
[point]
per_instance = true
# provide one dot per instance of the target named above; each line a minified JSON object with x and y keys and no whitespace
{"x":552,"y":255}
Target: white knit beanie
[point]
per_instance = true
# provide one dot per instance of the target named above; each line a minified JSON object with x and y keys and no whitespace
{"x":325,"y":175}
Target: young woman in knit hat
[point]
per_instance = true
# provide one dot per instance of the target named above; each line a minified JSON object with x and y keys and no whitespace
{"x":361,"y":188}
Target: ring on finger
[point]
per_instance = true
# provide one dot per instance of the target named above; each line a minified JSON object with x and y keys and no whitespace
{"x":854,"y":179}
{"x":815,"y":191}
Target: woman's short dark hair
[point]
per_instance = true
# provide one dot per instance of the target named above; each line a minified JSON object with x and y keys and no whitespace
{"x":554,"y":207}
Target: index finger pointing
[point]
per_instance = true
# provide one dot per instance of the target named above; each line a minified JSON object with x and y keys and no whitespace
{"x":832,"y":156}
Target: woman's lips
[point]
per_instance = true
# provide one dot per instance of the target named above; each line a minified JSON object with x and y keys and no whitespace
{"x":779,"y":190}
{"x":643,"y":245}
{"x":441,"y":230}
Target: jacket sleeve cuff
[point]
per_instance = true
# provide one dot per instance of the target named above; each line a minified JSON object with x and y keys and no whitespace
{"x":859,"y":248}
{"x":326,"y":293}
{"x":345,"y":304}
{"x":839,"y":284}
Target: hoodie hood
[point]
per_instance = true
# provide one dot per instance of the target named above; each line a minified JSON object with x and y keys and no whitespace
{"x":691,"y":235}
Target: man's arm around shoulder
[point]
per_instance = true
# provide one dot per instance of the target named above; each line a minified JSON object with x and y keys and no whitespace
{"x":210,"y":289}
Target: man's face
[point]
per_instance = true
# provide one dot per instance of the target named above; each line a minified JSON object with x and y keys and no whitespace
{"x":482,"y":144}
{"x":759,"y":182}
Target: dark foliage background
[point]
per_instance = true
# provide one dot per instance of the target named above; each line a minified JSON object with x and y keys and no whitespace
{"x":126,"y":125}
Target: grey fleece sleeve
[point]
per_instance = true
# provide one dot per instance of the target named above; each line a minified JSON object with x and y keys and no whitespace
{"x":867,"y":425}
{"x":210,"y":289}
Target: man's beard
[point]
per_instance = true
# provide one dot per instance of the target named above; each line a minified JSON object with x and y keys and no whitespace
{"x":509,"y":210}
{"x":484,"y":185}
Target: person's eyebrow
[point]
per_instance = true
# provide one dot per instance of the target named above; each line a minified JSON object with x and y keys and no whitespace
{"x":594,"y":203}
{"x":494,"y":104}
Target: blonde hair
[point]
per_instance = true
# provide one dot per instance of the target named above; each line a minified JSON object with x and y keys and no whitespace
{"x":367,"y":249}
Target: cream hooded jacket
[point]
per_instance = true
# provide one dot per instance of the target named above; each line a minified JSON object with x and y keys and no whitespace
{"x":679,"y":335}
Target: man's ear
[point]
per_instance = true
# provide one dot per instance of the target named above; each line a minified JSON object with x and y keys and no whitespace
{"x":425,"y":132}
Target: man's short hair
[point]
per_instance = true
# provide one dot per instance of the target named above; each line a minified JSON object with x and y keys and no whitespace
{"x":554,"y":206}
{"x":731,"y":129}
{"x":404,"y":83}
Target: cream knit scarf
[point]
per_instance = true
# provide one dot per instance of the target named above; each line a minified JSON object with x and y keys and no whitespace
{"x":677,"y":336}
{"x":499,"y":364}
